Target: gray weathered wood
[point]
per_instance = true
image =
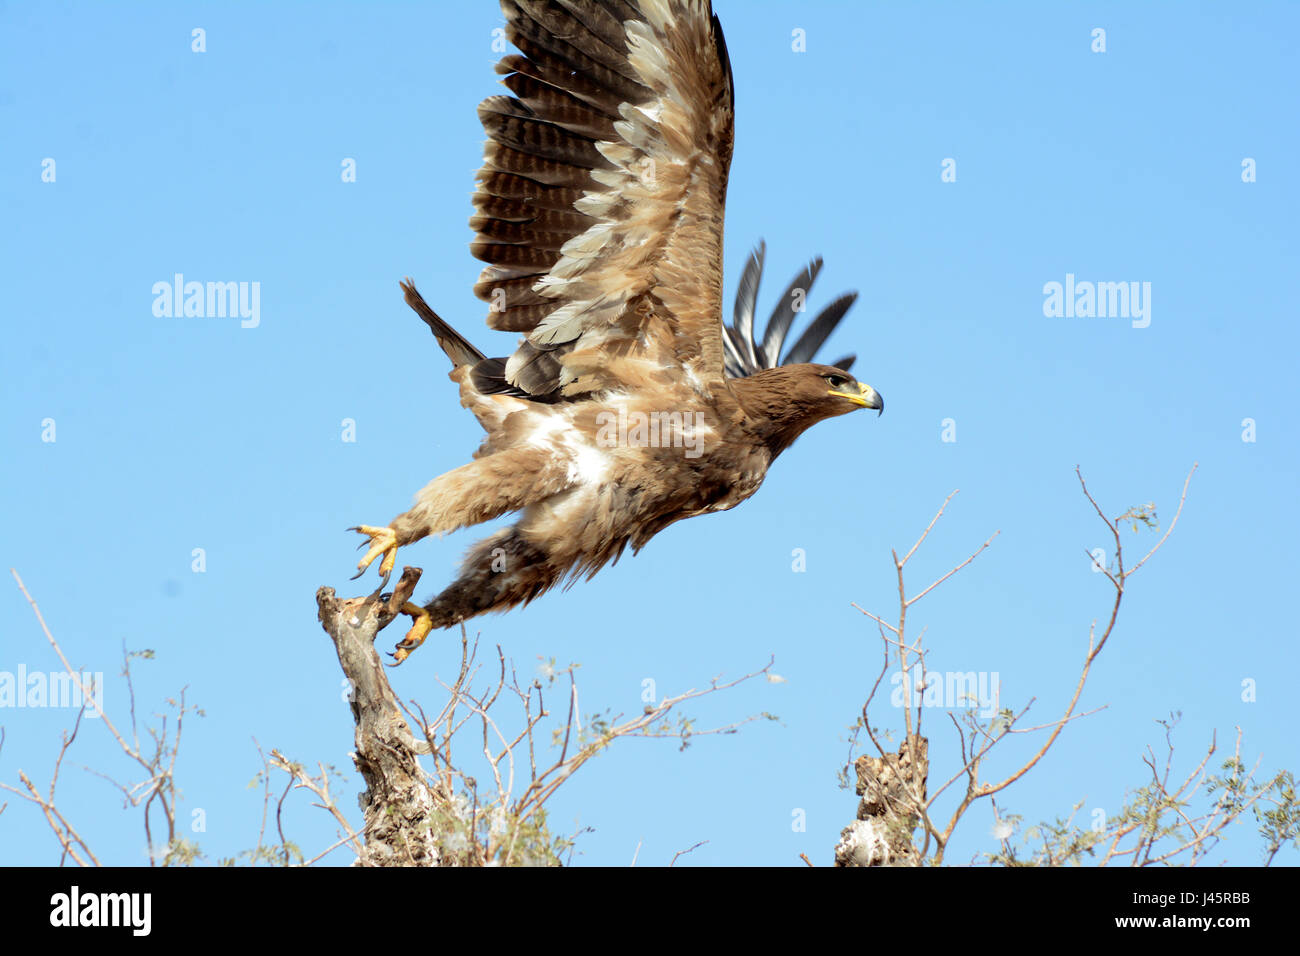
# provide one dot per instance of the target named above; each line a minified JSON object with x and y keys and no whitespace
{"x":398,"y":805}
{"x":887,"y":813}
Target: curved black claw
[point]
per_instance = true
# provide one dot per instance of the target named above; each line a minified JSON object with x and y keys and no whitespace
{"x":382,"y":541}
{"x":359,"y":547}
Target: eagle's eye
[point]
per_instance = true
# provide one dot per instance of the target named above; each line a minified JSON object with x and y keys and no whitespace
{"x":837,"y":381}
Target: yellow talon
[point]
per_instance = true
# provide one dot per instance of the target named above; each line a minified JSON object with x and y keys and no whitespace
{"x":416,"y":635}
{"x":382,"y":541}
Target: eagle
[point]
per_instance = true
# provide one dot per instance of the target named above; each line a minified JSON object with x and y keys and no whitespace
{"x":628,"y":404}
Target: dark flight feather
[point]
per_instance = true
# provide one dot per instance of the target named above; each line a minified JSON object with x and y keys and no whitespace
{"x":745,"y":355}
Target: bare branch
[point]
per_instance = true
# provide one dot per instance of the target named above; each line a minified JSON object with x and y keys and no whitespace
{"x":684,"y":852}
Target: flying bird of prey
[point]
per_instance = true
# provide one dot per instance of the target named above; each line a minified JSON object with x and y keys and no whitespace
{"x":627,"y":404}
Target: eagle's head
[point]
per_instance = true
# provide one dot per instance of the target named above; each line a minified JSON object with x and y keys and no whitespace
{"x":812,"y":393}
{"x":843,"y":392}
{"x":787,"y":400}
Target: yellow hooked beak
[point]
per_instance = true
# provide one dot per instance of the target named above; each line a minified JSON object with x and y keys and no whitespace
{"x":867,"y":397}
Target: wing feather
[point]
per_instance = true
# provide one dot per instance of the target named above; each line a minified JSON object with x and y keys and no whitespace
{"x":600,"y":201}
{"x":807,"y":345}
{"x":778,"y":324}
{"x":746,"y":299}
{"x":745,"y":356}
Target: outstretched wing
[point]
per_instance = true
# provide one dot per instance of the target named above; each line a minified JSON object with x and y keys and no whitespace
{"x":746,"y":355}
{"x":600,"y":201}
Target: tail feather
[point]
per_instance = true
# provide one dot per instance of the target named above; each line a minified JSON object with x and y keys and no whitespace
{"x":452,"y":342}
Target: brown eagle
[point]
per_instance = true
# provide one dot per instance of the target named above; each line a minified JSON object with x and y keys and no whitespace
{"x":627,"y":405}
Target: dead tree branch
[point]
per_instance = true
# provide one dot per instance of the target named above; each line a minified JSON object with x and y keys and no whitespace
{"x":894,"y":786}
{"x":398,"y":806}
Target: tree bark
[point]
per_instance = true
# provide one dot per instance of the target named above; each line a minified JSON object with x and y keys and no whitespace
{"x":887,"y":814}
{"x":400,"y":808}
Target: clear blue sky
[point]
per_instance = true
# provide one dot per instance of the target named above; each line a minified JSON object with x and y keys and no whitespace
{"x":181,"y":433}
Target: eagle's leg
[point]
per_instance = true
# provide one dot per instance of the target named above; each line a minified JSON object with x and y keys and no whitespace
{"x":499,"y":572}
{"x":484,"y":489}
{"x":420,"y":628}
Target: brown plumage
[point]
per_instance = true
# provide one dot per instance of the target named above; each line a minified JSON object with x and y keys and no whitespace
{"x":623,"y":409}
